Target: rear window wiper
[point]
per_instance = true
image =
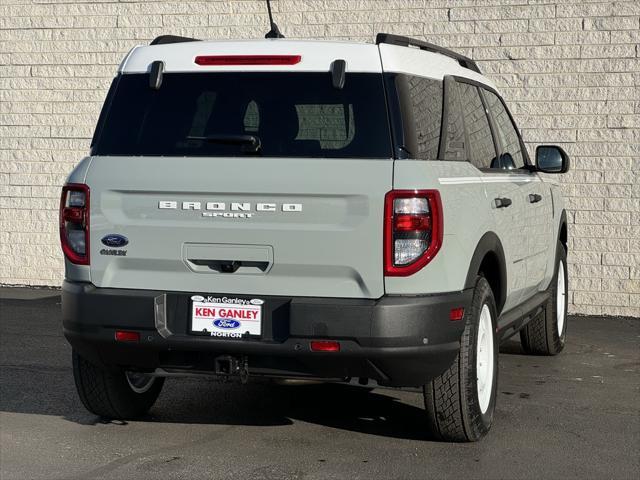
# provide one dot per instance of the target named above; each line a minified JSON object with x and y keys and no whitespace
{"x":249,"y":143}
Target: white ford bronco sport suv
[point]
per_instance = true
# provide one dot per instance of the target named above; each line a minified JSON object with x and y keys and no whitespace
{"x":324,"y":210}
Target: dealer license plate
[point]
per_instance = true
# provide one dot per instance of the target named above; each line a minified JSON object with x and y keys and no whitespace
{"x":226,"y":317}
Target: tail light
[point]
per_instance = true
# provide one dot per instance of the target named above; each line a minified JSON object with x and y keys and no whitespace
{"x":412,"y":230}
{"x":74,"y":223}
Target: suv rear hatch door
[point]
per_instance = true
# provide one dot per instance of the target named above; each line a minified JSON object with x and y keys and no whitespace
{"x":235,"y":182}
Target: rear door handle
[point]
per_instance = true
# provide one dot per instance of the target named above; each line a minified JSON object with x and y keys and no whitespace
{"x":534,"y":198}
{"x":502,"y":202}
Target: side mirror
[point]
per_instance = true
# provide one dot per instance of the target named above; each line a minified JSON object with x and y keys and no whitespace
{"x":551,"y":159}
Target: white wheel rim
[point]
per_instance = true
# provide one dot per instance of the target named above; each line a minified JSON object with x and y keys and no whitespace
{"x":560,"y":299}
{"x":139,"y":382}
{"x":484,"y":359}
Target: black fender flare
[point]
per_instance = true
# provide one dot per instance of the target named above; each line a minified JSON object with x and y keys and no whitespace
{"x":489,"y":243}
{"x":563,"y":223}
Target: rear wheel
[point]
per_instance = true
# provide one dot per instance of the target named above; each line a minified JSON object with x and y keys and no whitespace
{"x":114,"y":394}
{"x":546,"y":334}
{"x":460,"y":402}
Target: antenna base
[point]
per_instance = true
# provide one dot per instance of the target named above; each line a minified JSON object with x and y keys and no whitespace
{"x":274,"y":32}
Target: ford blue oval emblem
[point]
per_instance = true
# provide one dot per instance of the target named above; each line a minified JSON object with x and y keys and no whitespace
{"x":115,"y":240}
{"x":226,"y":324}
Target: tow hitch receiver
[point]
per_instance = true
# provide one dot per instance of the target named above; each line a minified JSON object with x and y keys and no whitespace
{"x":227,"y":366}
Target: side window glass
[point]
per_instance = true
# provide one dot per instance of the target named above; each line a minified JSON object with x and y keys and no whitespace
{"x":454,"y":144}
{"x":103,"y":112}
{"x":426,"y":102}
{"x":481,"y":149}
{"x":512,"y":149}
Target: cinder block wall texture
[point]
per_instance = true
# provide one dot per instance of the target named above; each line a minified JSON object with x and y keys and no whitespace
{"x":570,"y":71}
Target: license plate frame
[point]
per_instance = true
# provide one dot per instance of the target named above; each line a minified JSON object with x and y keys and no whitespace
{"x":226,"y":317}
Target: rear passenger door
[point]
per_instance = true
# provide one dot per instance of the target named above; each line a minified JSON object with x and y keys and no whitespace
{"x":536,"y":200}
{"x":503,"y":187}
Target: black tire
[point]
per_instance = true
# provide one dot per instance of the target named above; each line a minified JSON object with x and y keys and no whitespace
{"x":108,"y":394}
{"x":451,"y":400}
{"x":542,"y":335}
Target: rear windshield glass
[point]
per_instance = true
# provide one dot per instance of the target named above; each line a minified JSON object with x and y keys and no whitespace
{"x":226,"y":114}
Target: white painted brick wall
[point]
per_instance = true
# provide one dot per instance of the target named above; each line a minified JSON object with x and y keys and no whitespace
{"x":570,"y":71}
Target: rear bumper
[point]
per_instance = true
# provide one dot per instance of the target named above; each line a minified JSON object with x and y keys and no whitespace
{"x":395,"y":340}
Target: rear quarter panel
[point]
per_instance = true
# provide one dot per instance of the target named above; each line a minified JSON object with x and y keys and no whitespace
{"x":465,"y":221}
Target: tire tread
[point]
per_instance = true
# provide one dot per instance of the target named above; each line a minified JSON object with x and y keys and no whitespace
{"x":107,"y":394}
{"x":540,"y":336}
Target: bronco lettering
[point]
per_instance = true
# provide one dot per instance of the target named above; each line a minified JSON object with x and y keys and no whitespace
{"x":233,"y":207}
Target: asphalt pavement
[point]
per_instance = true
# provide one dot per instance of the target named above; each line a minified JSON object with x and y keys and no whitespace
{"x":576,"y":415}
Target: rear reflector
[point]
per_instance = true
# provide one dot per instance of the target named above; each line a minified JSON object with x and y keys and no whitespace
{"x":248,"y":59}
{"x":125,"y":336}
{"x":456,"y":314}
{"x":325,"y":346}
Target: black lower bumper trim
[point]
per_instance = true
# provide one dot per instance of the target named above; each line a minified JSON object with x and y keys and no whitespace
{"x":395,"y":340}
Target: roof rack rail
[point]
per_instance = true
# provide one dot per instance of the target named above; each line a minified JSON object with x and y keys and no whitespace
{"x":164,"y":39}
{"x":391,"y":39}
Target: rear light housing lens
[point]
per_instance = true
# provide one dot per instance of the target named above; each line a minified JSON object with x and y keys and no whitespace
{"x":224,"y":60}
{"x":456,"y":314}
{"x":413,"y":230}
{"x":324,"y":346}
{"x":74,"y":223}
{"x":127,"y":336}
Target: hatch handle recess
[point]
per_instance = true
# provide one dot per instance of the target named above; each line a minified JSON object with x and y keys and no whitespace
{"x":229,"y":266}
{"x":212,"y":258}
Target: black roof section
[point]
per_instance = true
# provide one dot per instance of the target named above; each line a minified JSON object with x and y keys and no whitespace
{"x":164,"y":39}
{"x":391,"y":39}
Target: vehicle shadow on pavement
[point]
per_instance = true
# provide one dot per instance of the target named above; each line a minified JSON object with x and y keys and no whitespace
{"x":512,"y":347}
{"x":50,"y":391}
{"x":380,"y":412}
{"x":345,"y":407}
